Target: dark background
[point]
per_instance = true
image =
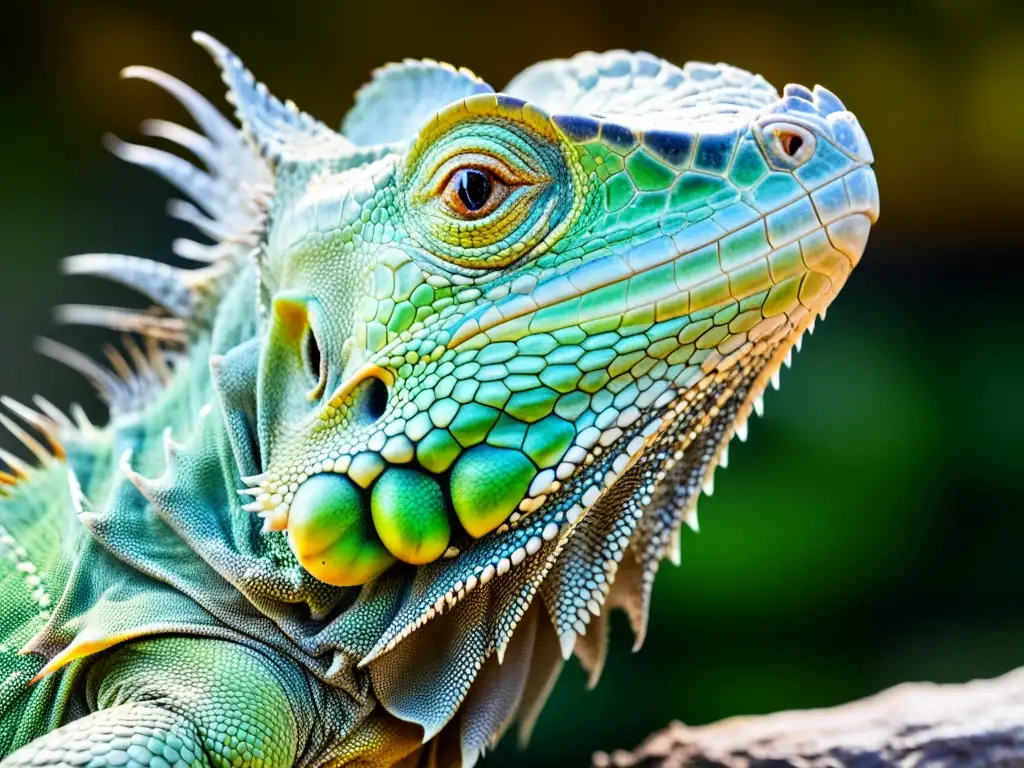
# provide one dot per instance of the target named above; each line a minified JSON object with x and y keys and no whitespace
{"x":870,"y":532}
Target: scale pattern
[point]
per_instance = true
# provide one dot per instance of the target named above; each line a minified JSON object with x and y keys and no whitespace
{"x":438,"y":396}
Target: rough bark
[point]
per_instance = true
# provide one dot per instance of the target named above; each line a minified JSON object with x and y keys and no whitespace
{"x":913,"y":725}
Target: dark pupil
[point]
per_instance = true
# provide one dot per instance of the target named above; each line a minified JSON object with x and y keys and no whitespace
{"x":474,"y":188}
{"x":791,"y":144}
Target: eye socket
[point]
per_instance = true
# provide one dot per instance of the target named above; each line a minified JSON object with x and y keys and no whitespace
{"x":485,"y":196}
{"x":472,"y":193}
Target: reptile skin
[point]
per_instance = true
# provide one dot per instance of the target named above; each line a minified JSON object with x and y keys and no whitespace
{"x":437,"y":396}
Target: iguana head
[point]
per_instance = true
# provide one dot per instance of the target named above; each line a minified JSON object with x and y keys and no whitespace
{"x":482,"y":308}
{"x":478,"y":352}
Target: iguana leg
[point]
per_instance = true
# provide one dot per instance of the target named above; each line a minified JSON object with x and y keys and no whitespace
{"x":177,"y":702}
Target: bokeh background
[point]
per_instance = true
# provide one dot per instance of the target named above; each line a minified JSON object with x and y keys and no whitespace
{"x":871,"y":530}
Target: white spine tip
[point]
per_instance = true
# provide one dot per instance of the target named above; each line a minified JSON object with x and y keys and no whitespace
{"x":125,"y":462}
{"x":741,"y":431}
{"x":709,"y":485}
{"x":776,"y":379}
{"x":88,"y":519}
{"x":207,"y":42}
{"x":568,"y":642}
{"x":171,"y":446}
{"x":275,"y":520}
{"x":675,"y":547}
{"x":690,"y":518}
{"x":759,"y":405}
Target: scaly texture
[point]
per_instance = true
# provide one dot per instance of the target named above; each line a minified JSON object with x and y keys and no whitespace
{"x":470,"y":362}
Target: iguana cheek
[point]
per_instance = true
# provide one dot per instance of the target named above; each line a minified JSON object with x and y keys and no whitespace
{"x":331,"y":533}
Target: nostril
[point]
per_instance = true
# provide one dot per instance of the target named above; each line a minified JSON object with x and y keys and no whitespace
{"x":313,"y":359}
{"x":376,"y":397}
{"x":366,"y":395}
{"x":791,"y":143}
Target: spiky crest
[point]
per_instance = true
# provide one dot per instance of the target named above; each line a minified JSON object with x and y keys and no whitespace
{"x":400,"y":98}
{"x":44,"y":425}
{"x":278,"y":130}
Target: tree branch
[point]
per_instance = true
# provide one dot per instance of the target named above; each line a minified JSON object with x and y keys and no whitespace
{"x":976,"y":724}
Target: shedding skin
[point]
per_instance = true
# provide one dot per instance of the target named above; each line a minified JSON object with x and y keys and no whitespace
{"x":438,"y":397}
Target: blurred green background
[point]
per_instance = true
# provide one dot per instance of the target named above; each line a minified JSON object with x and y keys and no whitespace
{"x":870,"y":531}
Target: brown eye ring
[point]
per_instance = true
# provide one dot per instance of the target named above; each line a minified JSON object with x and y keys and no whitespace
{"x":472,"y":192}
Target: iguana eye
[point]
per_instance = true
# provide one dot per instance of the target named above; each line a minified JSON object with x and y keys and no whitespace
{"x":786,"y":145}
{"x":472,"y":193}
{"x":485,"y":193}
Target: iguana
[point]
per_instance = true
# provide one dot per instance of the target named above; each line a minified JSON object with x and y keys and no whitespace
{"x":437,"y":397}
